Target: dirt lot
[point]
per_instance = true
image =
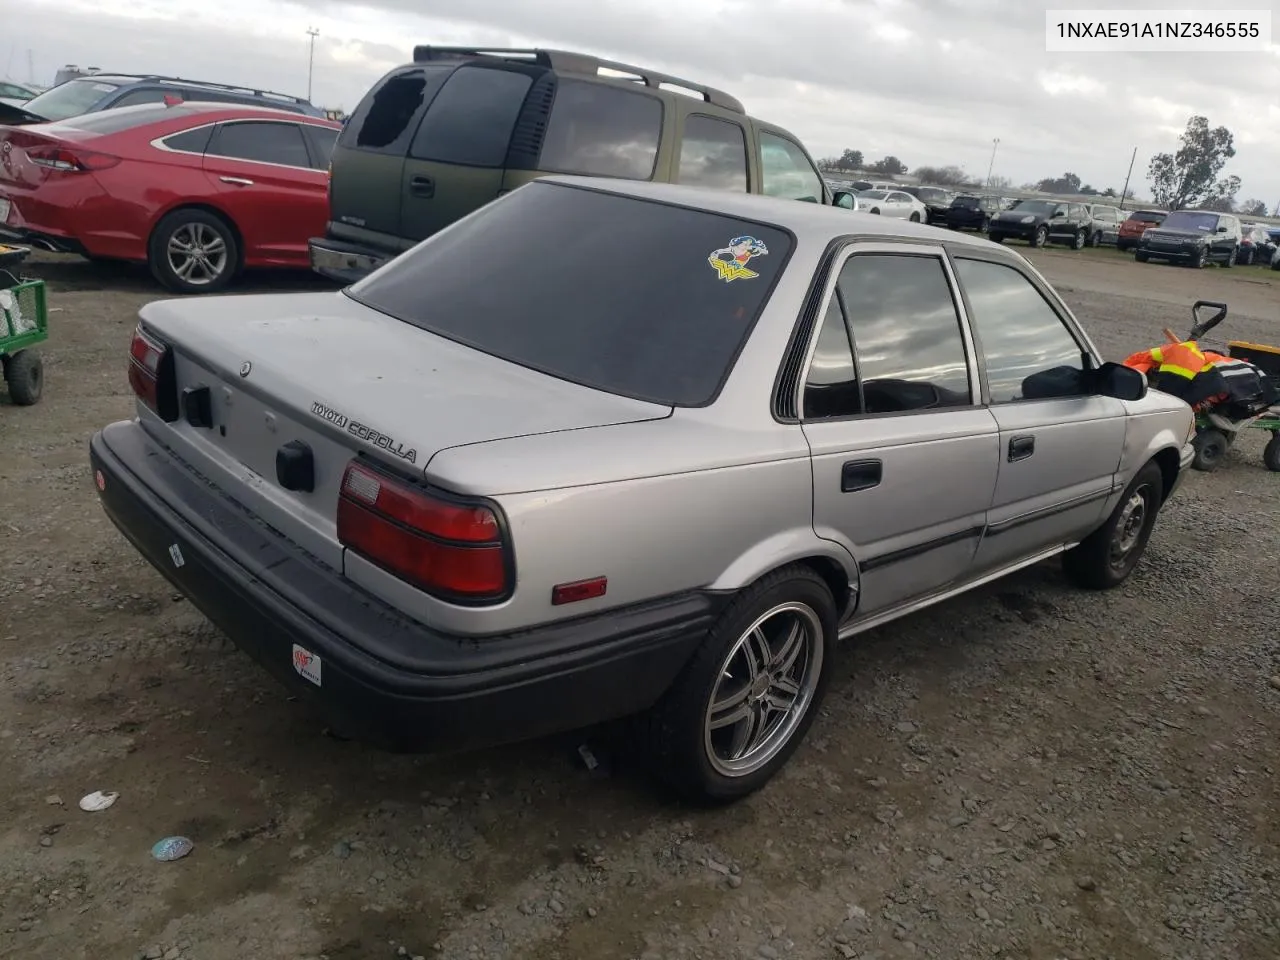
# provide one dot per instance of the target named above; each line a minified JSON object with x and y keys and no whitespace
{"x":1028,"y":772}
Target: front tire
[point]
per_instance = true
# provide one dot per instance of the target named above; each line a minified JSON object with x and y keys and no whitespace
{"x":1211,"y":448}
{"x":744,"y":702}
{"x":24,"y":374}
{"x":1201,"y":258}
{"x":1041,"y":237}
{"x":193,"y":251}
{"x":1106,"y":557}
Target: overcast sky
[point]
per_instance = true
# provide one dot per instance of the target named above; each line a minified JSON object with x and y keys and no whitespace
{"x":929,"y":81}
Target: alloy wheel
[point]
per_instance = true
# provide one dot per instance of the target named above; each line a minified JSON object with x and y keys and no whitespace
{"x":1129,"y":527}
{"x":197,"y":254}
{"x":764,"y":687}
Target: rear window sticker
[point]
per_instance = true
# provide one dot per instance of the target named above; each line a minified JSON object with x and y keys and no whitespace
{"x":731,"y":262}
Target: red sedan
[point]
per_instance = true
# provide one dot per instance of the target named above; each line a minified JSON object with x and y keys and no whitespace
{"x":198,"y":191}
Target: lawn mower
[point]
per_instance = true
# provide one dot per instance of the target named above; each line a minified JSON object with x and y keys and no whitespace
{"x":24,"y":322}
{"x":1239,"y":390}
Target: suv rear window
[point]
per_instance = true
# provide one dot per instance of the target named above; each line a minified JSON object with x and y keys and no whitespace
{"x":70,"y":99}
{"x":633,"y":297}
{"x":384,"y":119}
{"x":603,"y":131}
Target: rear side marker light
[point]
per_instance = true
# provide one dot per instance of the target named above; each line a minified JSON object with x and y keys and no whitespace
{"x":579,"y":590}
{"x":453,"y":550}
{"x":151,"y":375}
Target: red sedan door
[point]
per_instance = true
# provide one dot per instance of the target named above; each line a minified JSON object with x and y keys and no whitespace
{"x":267,"y":181}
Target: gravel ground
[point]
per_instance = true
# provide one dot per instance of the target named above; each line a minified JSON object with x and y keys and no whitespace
{"x":1026,"y":772}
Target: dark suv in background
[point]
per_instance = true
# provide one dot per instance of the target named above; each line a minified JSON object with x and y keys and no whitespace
{"x":441,"y":137}
{"x":105,"y":91}
{"x":972,"y":212}
{"x":1041,"y":221}
{"x":1193,"y":237}
{"x":936,"y":200}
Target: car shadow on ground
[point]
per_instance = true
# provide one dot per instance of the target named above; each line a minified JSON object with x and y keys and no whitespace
{"x":69,"y":273}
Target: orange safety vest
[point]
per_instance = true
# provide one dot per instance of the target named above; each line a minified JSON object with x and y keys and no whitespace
{"x":1183,"y":359}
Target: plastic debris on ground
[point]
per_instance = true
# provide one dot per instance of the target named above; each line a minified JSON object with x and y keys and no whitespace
{"x":96,"y":801}
{"x":172,"y":848}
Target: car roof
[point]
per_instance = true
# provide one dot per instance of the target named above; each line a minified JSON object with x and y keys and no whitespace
{"x":211,"y":108}
{"x":810,"y":220}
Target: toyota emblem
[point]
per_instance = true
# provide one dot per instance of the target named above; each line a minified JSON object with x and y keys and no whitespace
{"x":245,"y":368}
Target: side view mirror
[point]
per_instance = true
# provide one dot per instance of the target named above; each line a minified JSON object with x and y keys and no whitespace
{"x":1120,"y":382}
{"x":1059,"y":212}
{"x":844,"y":199}
{"x":1222,"y":229}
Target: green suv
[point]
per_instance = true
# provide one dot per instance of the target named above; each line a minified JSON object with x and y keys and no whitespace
{"x":441,"y":137}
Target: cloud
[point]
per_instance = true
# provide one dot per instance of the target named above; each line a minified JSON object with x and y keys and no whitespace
{"x":930,"y":81}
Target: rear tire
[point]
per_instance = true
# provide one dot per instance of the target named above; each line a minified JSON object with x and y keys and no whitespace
{"x":1106,"y":557}
{"x":1095,"y":239}
{"x":1231,"y":257}
{"x":1271,"y":453}
{"x":915,"y":218}
{"x":24,"y":374}
{"x":1211,"y":448}
{"x":1078,"y":241}
{"x":689,"y":735}
{"x":193,"y":251}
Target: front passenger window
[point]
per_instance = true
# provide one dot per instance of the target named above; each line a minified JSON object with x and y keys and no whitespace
{"x":1028,"y":352}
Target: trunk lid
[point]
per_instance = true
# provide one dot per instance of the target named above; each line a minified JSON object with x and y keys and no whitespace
{"x":344,"y":379}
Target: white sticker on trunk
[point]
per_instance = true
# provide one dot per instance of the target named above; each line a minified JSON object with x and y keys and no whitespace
{"x":175,"y":554}
{"x":307,"y":664}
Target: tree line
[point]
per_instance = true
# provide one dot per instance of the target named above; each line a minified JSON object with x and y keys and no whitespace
{"x":1190,"y":177}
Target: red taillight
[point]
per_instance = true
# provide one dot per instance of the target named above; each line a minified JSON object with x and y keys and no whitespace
{"x":453,"y":551}
{"x":150,"y":375}
{"x":69,"y":160}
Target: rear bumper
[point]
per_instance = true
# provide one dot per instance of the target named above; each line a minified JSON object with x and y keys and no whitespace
{"x":42,"y":240}
{"x":384,"y":678}
{"x":343,"y":261}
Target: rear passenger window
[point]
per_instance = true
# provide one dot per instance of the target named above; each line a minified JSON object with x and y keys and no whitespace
{"x":470,"y":120}
{"x":603,"y":131}
{"x":1028,"y":352}
{"x":906,"y":333}
{"x":192,"y":141}
{"x":786,"y":171}
{"x":831,"y":389}
{"x":713,"y":153}
{"x":323,"y":140}
{"x":278,"y":143}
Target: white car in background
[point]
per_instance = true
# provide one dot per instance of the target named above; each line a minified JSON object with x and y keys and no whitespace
{"x":893,"y":203}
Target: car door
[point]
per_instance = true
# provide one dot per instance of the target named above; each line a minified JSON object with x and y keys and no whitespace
{"x":904,"y":460}
{"x":1227,"y":238}
{"x":262,"y":173}
{"x":1059,"y":443}
{"x":458,"y":155}
{"x":902,"y":206}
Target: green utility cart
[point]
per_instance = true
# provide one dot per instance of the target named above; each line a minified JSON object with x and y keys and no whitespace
{"x":24,"y":322}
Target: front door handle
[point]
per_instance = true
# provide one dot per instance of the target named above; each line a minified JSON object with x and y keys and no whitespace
{"x":1021,"y":447}
{"x":238,"y":181}
{"x":860,"y":475}
{"x":422,"y":187}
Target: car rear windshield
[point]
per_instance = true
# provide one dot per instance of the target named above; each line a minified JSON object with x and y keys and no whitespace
{"x":1146,"y":216}
{"x":630,"y":296}
{"x":70,"y":99}
{"x":965,"y":202}
{"x":873,"y":194}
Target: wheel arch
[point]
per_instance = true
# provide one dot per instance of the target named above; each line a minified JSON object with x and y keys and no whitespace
{"x":829,"y":560}
{"x":1169,"y":461}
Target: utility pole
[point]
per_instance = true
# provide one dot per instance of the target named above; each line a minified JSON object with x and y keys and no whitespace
{"x":995,"y":143}
{"x":312,"y":32}
{"x":1125,"y":192}
{"x":31,"y":67}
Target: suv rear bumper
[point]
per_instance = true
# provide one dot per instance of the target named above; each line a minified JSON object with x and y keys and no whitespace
{"x":384,"y":678}
{"x":344,"y":261}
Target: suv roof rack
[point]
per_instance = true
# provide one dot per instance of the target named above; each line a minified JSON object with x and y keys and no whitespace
{"x":204,"y":84}
{"x":564,"y":61}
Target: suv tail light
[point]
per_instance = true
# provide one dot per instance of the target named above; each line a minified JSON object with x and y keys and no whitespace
{"x":451,"y":549}
{"x":68,"y":160}
{"x":151,"y":375}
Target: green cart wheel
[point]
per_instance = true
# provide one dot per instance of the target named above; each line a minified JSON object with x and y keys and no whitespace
{"x":24,"y":374}
{"x":1211,"y":447}
{"x":1271,"y":453}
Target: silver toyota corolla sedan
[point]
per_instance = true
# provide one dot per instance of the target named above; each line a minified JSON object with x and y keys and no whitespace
{"x":608,"y":449}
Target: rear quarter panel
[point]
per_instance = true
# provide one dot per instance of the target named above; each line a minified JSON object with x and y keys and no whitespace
{"x":136,"y":193}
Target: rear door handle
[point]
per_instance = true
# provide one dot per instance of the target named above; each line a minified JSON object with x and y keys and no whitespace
{"x":238,"y":181}
{"x":422,"y":187}
{"x":860,"y":475}
{"x":1021,"y":447}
